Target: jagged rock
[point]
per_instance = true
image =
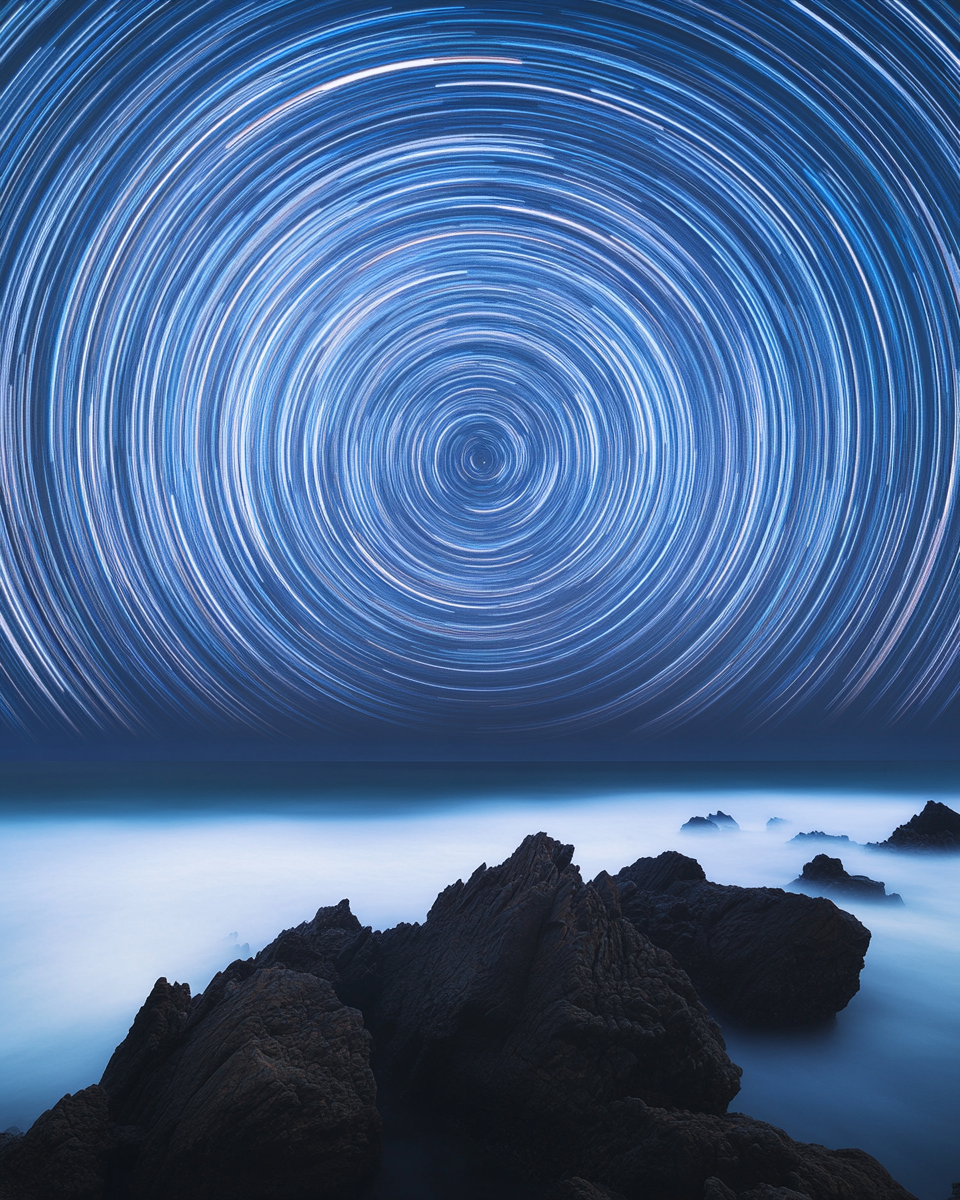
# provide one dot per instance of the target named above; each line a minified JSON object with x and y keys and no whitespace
{"x":73,"y":1151}
{"x":266,"y":1093}
{"x":699,"y":825}
{"x":581,"y":1189}
{"x":936,"y":827}
{"x":526,"y":1004}
{"x":817,"y":835}
{"x":765,"y":956}
{"x":826,"y":876}
{"x":657,"y":874}
{"x":677,"y":1155}
{"x":154,"y":1034}
{"x":722,"y":820}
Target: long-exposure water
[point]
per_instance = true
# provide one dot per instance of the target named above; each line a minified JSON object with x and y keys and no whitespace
{"x":105,"y":891}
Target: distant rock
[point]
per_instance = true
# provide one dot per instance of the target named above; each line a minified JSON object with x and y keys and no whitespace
{"x":722,"y":820}
{"x":817,"y":835}
{"x":699,"y":825}
{"x":937,"y":827}
{"x":765,"y":956}
{"x":774,"y":822}
{"x":827,"y":876}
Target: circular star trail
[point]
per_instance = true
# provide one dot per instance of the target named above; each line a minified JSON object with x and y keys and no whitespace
{"x":490,"y":369}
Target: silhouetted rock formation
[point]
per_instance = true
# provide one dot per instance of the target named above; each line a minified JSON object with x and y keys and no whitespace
{"x":775,"y":821}
{"x":765,"y":956}
{"x":937,"y":827}
{"x":817,"y":835}
{"x":699,"y":825}
{"x":73,"y":1151}
{"x":722,"y":820}
{"x":526,"y":997}
{"x":827,"y":876}
{"x":526,"y":1009}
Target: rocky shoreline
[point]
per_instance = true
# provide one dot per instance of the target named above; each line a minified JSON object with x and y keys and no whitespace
{"x":555,"y":1021}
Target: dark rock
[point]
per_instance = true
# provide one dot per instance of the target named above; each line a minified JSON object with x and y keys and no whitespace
{"x":267,"y":1094}
{"x":71,"y":1152}
{"x":937,"y":827}
{"x":154,"y":1034}
{"x":826,"y":876}
{"x":765,"y":956}
{"x":653,"y":1154}
{"x":722,"y":820}
{"x":657,"y":874}
{"x":576,"y":1188}
{"x":699,"y":825}
{"x":817,"y":835}
{"x":526,"y":1004}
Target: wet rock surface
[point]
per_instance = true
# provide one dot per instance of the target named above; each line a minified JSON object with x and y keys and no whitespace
{"x":827,"y":877}
{"x":526,"y":1017}
{"x":764,"y":956}
{"x":936,"y":827}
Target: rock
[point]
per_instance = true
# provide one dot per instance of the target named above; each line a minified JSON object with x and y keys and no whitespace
{"x":937,"y":827}
{"x":764,"y":956}
{"x":699,"y":825}
{"x":154,"y":1034}
{"x":266,"y":1093}
{"x":71,"y":1152}
{"x":576,"y":1188}
{"x":657,"y":874}
{"x":826,"y":876}
{"x":817,"y":835}
{"x":722,"y":820}
{"x":526,"y":1004}
{"x":775,"y":821}
{"x":654,"y":1154}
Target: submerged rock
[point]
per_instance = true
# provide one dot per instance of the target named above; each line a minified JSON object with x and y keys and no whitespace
{"x":827,"y":876}
{"x":722,"y":820}
{"x":774,"y":822}
{"x":937,"y":827}
{"x":765,"y":956}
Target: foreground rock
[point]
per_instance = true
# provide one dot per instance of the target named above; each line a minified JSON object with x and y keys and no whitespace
{"x":764,"y":956}
{"x":526,"y":1000}
{"x":826,"y":876}
{"x":937,"y":827}
{"x":526,"y":1009}
{"x":71,"y":1152}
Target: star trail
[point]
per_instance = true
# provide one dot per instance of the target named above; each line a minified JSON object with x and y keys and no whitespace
{"x":488,"y":368}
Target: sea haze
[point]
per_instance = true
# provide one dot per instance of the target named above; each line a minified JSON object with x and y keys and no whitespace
{"x":112,"y":881}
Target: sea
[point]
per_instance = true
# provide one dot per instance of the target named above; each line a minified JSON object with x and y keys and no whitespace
{"x":113,"y":875}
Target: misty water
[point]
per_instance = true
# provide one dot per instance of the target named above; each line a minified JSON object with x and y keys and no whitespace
{"x":100,"y":895}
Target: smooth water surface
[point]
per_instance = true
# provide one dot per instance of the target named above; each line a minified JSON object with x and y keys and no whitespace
{"x":98,"y":901}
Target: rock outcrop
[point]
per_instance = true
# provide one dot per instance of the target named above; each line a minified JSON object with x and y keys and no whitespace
{"x":526,"y":1009}
{"x":71,"y":1152}
{"x":764,"y":956}
{"x":817,"y":835}
{"x":526,"y":1002}
{"x":936,"y":827}
{"x":825,"y":876}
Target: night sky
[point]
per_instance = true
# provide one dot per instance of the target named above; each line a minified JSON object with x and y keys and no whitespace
{"x":493,"y":372}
